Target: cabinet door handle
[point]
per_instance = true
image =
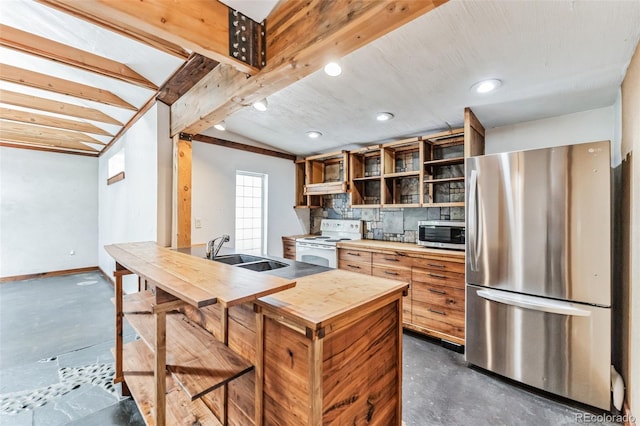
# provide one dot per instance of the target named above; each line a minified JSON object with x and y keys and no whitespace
{"x":390,"y":273}
{"x":353,"y":254}
{"x":436,"y":312}
{"x":433,"y":290}
{"x":437,"y":276}
{"x":392,"y":259}
{"x":436,"y":265}
{"x":399,"y":253}
{"x":354,"y":266}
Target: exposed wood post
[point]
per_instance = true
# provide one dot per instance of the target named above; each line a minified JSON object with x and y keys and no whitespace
{"x":315,"y":391}
{"x":259,"y":367}
{"x":119,"y":376}
{"x":182,"y":192}
{"x":160,"y":374}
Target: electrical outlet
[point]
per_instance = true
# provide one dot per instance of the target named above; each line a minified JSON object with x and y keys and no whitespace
{"x":198,"y":223}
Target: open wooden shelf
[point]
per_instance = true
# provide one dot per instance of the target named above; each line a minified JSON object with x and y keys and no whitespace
{"x":454,"y":204}
{"x":137,"y":303}
{"x":445,"y":180}
{"x":402,"y":174}
{"x":445,"y":161}
{"x":361,"y":179}
{"x":366,"y":206}
{"x":141,"y":382}
{"x":198,"y":361}
{"x":394,"y":206}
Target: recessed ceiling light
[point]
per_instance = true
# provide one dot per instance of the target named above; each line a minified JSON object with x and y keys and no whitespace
{"x":384,"y":116}
{"x":333,"y":69}
{"x":261,"y":105}
{"x":314,"y":134}
{"x":486,"y":86}
{"x":222,"y":126}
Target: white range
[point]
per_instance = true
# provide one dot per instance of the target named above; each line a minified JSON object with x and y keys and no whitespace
{"x":321,"y":250}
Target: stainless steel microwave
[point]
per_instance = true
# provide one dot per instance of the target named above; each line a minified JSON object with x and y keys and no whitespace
{"x":441,"y":234}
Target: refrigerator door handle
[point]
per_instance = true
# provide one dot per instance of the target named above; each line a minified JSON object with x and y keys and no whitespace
{"x":473,"y":221}
{"x":534,"y":303}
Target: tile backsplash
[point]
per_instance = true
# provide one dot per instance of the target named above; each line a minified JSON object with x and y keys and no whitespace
{"x":389,"y":224}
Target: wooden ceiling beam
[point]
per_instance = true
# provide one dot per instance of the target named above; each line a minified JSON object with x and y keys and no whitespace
{"x":8,"y":136}
{"x":58,"y":85}
{"x":48,"y":149}
{"x":49,"y":121}
{"x":38,"y":132}
{"x":48,"y":49}
{"x":198,"y":25}
{"x":185,"y":78}
{"x":62,"y":108}
{"x":148,"y":39}
{"x":301,"y":39}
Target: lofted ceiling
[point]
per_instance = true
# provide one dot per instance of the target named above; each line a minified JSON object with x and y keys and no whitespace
{"x":553,"y":57}
{"x":69,"y":85}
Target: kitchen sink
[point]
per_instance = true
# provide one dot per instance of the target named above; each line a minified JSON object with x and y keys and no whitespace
{"x":265,"y":265}
{"x":248,"y":261}
{"x":235,"y":259}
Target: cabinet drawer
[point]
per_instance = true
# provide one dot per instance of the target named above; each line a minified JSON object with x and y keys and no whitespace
{"x":439,"y":326}
{"x":397,"y":260}
{"x":399,"y":274}
{"x":440,"y":265}
{"x":355,"y":266}
{"x":449,"y":279}
{"x":438,"y":295}
{"x":424,"y":314}
{"x":355,"y":256}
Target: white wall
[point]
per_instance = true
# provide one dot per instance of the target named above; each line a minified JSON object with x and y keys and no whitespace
{"x":129,"y":209}
{"x":48,"y":208}
{"x":586,"y":126}
{"x":213,"y":197}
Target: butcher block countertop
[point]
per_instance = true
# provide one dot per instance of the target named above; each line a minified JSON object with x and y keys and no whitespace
{"x":412,"y":249}
{"x":197,"y":281}
{"x":330,"y":296}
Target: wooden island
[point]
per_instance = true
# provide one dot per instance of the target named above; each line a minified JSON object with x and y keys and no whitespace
{"x":243,"y":347}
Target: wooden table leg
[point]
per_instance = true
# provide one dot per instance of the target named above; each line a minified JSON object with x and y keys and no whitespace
{"x":119,"y":377}
{"x":160,"y":374}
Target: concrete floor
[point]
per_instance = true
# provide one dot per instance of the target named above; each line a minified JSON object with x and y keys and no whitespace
{"x":56,"y":336}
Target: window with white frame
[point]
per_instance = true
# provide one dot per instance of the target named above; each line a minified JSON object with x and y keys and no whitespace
{"x":251,"y":208}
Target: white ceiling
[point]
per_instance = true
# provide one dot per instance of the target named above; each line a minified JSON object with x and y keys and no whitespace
{"x":554,"y":57}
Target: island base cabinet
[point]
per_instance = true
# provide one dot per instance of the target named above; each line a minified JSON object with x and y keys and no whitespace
{"x":351,"y":376}
{"x":346,"y":373}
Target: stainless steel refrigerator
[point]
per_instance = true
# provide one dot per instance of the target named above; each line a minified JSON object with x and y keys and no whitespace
{"x":538,"y":268}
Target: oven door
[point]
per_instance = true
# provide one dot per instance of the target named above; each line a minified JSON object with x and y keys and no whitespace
{"x":317,"y":254}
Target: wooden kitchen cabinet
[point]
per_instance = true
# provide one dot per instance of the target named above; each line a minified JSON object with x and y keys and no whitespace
{"x":365,"y":172}
{"x":423,"y":171}
{"x":438,"y":302}
{"x":435,"y":304}
{"x":402,"y":173}
{"x":396,"y":266}
{"x":355,"y":260}
{"x":320,"y":175}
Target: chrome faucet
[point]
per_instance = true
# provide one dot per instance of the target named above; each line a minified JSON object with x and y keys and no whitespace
{"x":213,"y":249}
